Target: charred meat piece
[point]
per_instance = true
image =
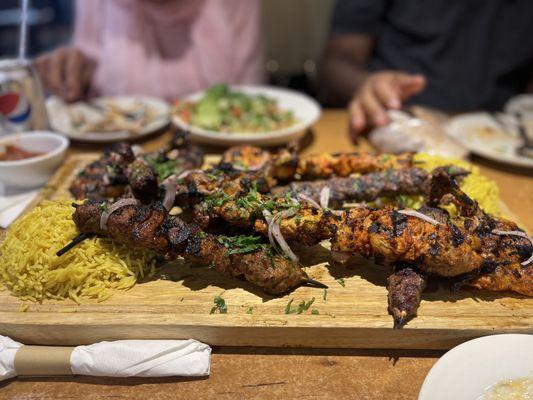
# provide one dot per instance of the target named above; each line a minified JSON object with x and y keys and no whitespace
{"x":405,"y":286}
{"x":106,"y":177}
{"x":368,"y":187}
{"x":151,"y":227}
{"x":143,"y":181}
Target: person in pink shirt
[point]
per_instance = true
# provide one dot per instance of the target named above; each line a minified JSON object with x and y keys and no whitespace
{"x":165,"y":48}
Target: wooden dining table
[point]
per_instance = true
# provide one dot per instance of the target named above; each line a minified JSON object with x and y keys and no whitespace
{"x":267,"y":373}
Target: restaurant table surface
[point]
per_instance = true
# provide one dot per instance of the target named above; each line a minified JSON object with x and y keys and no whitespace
{"x":263,"y":373}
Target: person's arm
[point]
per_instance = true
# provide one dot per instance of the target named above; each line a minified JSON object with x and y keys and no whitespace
{"x":345,"y":66}
{"x":67,"y":71}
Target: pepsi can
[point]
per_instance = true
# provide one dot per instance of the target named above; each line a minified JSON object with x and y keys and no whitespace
{"x":22,"y":106}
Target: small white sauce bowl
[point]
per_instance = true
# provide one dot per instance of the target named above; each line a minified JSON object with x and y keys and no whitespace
{"x":34,"y":171}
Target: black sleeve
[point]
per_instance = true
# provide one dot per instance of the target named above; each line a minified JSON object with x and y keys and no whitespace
{"x":357,"y":16}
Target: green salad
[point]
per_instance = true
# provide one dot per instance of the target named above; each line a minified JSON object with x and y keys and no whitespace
{"x":225,"y":110}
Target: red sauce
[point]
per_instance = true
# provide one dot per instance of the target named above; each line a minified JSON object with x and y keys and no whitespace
{"x":13,"y":153}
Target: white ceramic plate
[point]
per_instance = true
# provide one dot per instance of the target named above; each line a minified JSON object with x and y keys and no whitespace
{"x":482,"y":135}
{"x":61,"y":121}
{"x":466,"y":371}
{"x":520,"y":104}
{"x":305,"y":109}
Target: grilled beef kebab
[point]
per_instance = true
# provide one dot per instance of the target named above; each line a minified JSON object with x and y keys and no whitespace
{"x":151,"y":227}
{"x":112,"y":175}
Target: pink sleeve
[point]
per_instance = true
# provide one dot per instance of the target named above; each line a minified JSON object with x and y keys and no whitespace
{"x":249,"y":61}
{"x":87,"y":26}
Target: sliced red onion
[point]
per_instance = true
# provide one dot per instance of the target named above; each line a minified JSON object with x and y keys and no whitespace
{"x":170,"y":184}
{"x":137,"y":150}
{"x":310,"y":201}
{"x":274,"y":233}
{"x":114,"y":207}
{"x":268,"y":215}
{"x":325,"y":193}
{"x":190,"y":171}
{"x":338,"y":213}
{"x":255,"y":167}
{"x":417,"y":214}
{"x":519,"y":234}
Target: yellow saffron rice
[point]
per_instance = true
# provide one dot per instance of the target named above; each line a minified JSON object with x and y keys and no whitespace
{"x":475,"y":185}
{"x":30,"y":269}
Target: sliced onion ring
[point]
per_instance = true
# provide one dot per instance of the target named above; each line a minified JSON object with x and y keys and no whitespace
{"x":310,"y":200}
{"x":170,"y":184}
{"x":190,"y":171}
{"x":325,"y":193}
{"x":519,"y":234}
{"x":114,"y":207}
{"x":417,"y":214}
{"x":274,"y":233}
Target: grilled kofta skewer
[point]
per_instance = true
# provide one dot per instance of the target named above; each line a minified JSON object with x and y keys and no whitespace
{"x":405,"y":286}
{"x":109,"y":176}
{"x":151,"y":227}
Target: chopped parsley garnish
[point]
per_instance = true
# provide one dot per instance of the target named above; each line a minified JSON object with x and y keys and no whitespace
{"x":314,"y":311}
{"x":241,"y":244}
{"x":303,"y":306}
{"x":103,"y":207}
{"x":341,"y":282}
{"x":249,"y":310}
{"x":164,"y":168}
{"x":220,"y":306}
{"x":217,"y":199}
{"x":251,"y":200}
{"x":385,"y":157}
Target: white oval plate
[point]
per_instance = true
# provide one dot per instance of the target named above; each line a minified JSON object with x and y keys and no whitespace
{"x":306,"y":111}
{"x":482,"y":135}
{"x":466,"y":371}
{"x":60,"y":120}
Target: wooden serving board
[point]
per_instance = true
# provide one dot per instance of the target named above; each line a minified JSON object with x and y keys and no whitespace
{"x":351,"y":316}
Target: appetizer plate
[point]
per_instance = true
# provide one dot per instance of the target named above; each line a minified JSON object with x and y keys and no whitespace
{"x":33,"y":171}
{"x":468,"y":370}
{"x":483,"y":135}
{"x":60,"y":115}
{"x":306,"y":111}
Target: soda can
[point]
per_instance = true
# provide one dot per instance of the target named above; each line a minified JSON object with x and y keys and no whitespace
{"x":22,"y":106}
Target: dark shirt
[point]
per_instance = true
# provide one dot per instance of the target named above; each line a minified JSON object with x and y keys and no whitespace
{"x":474,"y":53}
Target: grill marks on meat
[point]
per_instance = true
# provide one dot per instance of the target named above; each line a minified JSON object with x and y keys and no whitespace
{"x":106,"y":177}
{"x":369,"y":187}
{"x":405,"y":286}
{"x":150,"y":227}
{"x":272,"y":273}
{"x":110,"y":176}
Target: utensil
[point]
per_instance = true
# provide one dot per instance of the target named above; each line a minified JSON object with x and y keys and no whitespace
{"x":23,"y":32}
{"x":526,"y":149}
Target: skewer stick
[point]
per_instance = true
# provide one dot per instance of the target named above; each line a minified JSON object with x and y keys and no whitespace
{"x":78,"y":239}
{"x":312,"y":282}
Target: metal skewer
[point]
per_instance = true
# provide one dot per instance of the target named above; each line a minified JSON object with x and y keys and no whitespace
{"x":77,"y":240}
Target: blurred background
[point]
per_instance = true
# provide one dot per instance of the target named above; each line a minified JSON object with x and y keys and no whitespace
{"x":295,"y":34}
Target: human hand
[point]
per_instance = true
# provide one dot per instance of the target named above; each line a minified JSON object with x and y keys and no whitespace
{"x":66,"y":72}
{"x":379,"y":92}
